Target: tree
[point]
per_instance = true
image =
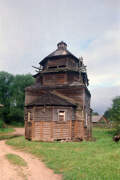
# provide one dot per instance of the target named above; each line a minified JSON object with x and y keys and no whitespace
{"x":113,"y":113}
{"x":12,"y":96}
{"x":6,"y":83}
{"x":18,"y":90}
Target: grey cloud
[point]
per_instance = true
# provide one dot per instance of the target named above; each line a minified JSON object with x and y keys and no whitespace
{"x":30,"y":30}
{"x":102,"y":97}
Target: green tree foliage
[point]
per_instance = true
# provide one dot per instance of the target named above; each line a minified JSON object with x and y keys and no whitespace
{"x":113,"y":113}
{"x":12,"y":96}
{"x":95,"y":113}
{"x":6,"y":83}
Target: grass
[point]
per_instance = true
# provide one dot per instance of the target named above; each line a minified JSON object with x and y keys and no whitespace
{"x":5,"y":133}
{"x":16,"y":160}
{"x":99,"y":160}
{"x":6,"y":130}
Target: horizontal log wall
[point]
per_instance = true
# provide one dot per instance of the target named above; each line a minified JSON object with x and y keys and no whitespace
{"x":54,"y":79}
{"x":57,"y":62}
{"x":50,"y":131}
{"x":75,"y":94}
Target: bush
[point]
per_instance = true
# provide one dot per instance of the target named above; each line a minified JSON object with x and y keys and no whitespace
{"x":12,"y":96}
{"x":16,"y":116}
{"x":2,"y":125}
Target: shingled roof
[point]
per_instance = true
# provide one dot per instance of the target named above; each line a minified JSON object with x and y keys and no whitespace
{"x":60,"y":51}
{"x":50,"y":100}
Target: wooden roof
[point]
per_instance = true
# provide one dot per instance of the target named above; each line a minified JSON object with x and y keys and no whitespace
{"x":50,"y":100}
{"x":61,"y":51}
{"x":96,"y":118}
{"x":74,"y":86}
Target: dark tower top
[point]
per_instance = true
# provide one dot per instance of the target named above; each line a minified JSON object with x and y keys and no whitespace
{"x":62,"y":67}
{"x":61,"y":51}
{"x":62,"y":45}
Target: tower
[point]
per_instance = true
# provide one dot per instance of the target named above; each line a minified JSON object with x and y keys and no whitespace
{"x":57,"y":106}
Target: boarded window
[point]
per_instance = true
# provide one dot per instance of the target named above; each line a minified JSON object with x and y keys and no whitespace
{"x":61,"y":115}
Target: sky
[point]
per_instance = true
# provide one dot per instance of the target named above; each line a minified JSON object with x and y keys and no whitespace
{"x":31,"y":29}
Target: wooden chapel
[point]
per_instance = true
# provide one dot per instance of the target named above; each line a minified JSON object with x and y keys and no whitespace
{"x":57,"y":106}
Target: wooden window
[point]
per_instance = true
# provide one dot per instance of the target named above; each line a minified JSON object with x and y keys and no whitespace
{"x":29,"y":116}
{"x":61,"y":115}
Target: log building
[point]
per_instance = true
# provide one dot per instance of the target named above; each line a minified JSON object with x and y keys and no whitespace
{"x":57,"y":106}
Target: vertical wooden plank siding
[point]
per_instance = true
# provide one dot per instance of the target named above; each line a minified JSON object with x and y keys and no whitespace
{"x":33,"y":123}
{"x":70,"y":129}
{"x":52,"y":110}
{"x":41,"y":129}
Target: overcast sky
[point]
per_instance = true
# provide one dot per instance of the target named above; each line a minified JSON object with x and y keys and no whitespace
{"x":30,"y":30}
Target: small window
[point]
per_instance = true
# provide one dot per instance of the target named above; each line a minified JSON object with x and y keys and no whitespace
{"x":61,"y":115}
{"x":29,"y":116}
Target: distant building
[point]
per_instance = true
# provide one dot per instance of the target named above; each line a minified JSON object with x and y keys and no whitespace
{"x":99,"y":120}
{"x":57,"y":106}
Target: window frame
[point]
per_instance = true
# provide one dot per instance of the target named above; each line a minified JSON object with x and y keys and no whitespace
{"x":60,"y":111}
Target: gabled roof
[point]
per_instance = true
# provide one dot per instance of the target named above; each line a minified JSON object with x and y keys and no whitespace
{"x":61,"y":51}
{"x":96,"y":118}
{"x":50,"y":100}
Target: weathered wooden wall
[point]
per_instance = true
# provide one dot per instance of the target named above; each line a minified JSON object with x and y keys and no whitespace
{"x":56,"y":130}
{"x":45,"y":126}
{"x":62,"y":62}
{"x":54,"y":79}
{"x":74,"y":93}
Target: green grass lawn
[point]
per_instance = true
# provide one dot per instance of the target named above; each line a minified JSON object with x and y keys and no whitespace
{"x":99,"y":160}
{"x":6,"y":130}
{"x":16,"y":160}
{"x":5,"y":133}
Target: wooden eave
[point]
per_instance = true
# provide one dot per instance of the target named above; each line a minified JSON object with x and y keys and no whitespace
{"x":55,"y":71}
{"x":51,"y":99}
{"x":37,"y":87}
{"x":58,"y":57}
{"x":87,"y":91}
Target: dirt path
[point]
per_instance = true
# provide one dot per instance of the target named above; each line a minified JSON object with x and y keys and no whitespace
{"x":36,"y":170}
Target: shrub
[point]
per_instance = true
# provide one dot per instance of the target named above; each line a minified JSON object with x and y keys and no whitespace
{"x":2,"y":125}
{"x":16,"y":116}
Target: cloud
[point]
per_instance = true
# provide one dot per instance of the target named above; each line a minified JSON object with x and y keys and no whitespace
{"x":30,"y":31}
{"x":102,"y":97}
{"x":102,"y":58}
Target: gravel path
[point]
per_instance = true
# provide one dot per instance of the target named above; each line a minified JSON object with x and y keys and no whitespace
{"x":35,"y":170}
